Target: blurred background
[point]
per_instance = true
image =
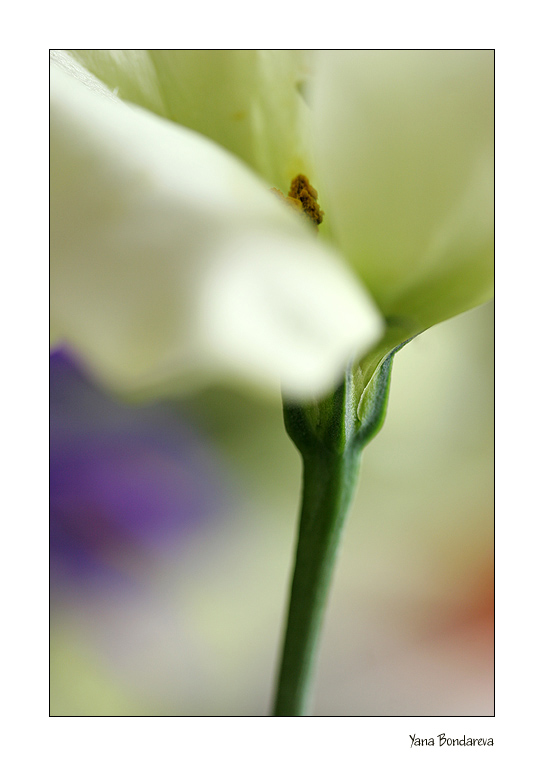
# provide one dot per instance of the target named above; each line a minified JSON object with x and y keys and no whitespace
{"x":172,"y":533}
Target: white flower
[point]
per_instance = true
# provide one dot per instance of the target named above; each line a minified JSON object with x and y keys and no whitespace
{"x":172,"y":263}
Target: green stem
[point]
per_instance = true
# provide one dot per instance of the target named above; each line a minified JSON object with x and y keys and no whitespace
{"x":328,"y":486}
{"x":330,"y":436}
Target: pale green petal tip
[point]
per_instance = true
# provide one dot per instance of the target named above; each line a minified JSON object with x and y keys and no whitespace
{"x":64,"y":61}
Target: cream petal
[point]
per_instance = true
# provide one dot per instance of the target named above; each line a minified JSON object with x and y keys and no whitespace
{"x":405,"y":143}
{"x":247,"y":101}
{"x":172,"y":264}
{"x":290,"y":286}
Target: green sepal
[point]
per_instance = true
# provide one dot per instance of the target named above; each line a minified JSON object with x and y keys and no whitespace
{"x":347,"y":419}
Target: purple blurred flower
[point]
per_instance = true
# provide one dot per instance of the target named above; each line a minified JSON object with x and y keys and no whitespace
{"x":125,"y":481}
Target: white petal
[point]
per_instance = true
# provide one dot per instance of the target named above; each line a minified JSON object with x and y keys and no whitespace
{"x":172,"y":264}
{"x":284,"y":289}
{"x":406,"y":162}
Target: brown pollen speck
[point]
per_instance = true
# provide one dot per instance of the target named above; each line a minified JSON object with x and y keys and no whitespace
{"x":302,"y":190}
{"x":303,"y":197}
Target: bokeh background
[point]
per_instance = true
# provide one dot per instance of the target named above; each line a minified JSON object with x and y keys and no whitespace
{"x":172,"y":533}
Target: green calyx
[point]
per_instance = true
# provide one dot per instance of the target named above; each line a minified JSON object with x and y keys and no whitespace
{"x":347,"y":419}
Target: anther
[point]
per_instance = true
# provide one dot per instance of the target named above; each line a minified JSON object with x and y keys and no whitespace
{"x":303,"y":197}
{"x":302,"y":190}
